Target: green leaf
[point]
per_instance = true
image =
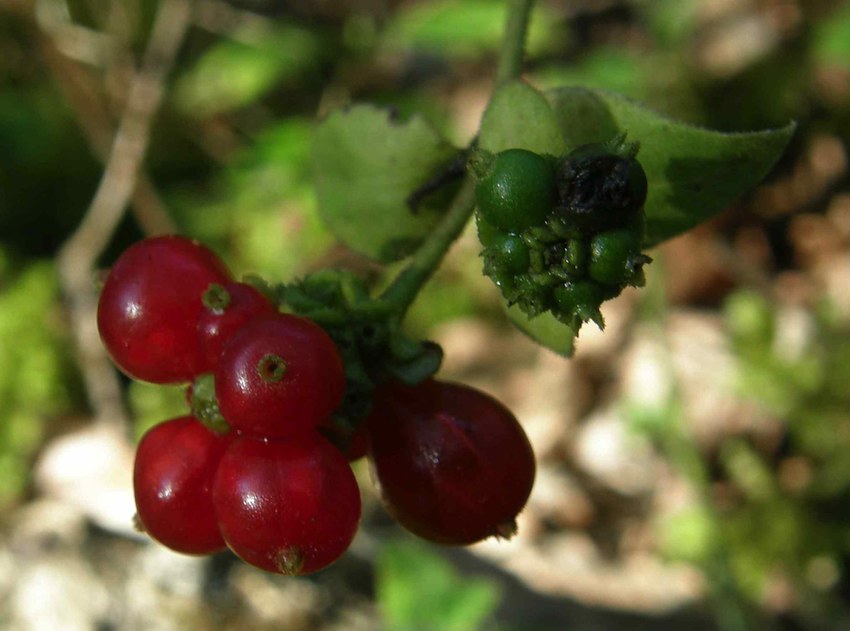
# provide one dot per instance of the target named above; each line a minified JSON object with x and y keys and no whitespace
{"x":693,"y":173}
{"x":519,"y":117}
{"x":417,"y":590}
{"x":464,"y":28}
{"x":545,"y":329}
{"x":233,"y":74}
{"x":366,"y":165}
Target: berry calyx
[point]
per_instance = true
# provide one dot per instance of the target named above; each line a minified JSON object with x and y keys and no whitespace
{"x":453,"y":464}
{"x":287,"y":506}
{"x":173,"y":473}
{"x":279,"y":375}
{"x":148,"y":323}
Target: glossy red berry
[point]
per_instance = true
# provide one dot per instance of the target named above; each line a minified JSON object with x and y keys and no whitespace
{"x":454,"y":465}
{"x":290,"y":506}
{"x":278,"y":376}
{"x":149,"y":307}
{"x":173,"y":474}
{"x":226,"y":309}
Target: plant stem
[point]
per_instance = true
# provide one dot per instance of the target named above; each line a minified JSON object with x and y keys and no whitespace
{"x":513,"y":45}
{"x":403,"y":290}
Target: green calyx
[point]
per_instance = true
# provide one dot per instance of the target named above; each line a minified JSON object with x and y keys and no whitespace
{"x":216,"y":298}
{"x":271,"y":368}
{"x":204,"y":406}
{"x":367,"y":334}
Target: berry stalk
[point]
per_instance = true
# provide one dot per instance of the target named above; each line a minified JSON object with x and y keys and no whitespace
{"x":513,"y":44}
{"x":403,"y":290}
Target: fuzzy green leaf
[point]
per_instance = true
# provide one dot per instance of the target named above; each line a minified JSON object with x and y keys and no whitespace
{"x":693,"y":173}
{"x":417,"y":590}
{"x":545,"y":329}
{"x":366,"y":165}
{"x":519,"y":117}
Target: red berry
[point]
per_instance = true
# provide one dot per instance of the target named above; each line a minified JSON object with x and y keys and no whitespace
{"x":149,"y":307}
{"x":226,"y":309}
{"x":175,"y":465}
{"x":278,"y":376}
{"x":289,"y":506}
{"x":454,"y":465}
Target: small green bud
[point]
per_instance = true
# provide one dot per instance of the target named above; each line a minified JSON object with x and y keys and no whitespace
{"x":510,"y":254}
{"x":616,"y":259}
{"x":581,"y":300}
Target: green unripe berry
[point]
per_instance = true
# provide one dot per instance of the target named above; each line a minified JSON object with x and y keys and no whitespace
{"x":576,"y":256}
{"x":510,"y":254}
{"x":581,"y":300}
{"x":616,"y":259}
{"x":517,"y":190}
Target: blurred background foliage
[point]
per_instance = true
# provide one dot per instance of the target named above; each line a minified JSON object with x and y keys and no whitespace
{"x":767,"y":526}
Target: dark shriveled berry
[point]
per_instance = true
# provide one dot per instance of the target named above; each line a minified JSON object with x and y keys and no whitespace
{"x":598,"y":190}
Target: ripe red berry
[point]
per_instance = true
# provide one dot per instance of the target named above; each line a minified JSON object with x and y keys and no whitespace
{"x":175,"y":465}
{"x":289,"y":506}
{"x":278,"y":376}
{"x":226,"y":309}
{"x":454,"y":465}
{"x":149,"y":307}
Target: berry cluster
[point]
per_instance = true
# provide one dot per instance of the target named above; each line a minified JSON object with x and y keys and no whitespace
{"x":261,"y":463}
{"x":562,"y":234}
{"x":255,"y":475}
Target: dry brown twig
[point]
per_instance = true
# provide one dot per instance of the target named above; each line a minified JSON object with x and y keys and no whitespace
{"x":79,"y":253}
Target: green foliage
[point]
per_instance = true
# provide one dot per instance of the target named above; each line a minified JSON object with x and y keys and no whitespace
{"x":604,"y":68}
{"x":789,"y":525}
{"x":37,"y":381}
{"x":420,"y":591}
{"x":235,"y":73}
{"x":462,"y":28}
{"x":151,"y":404}
{"x":39,"y":143}
{"x":366,"y":166}
{"x":832,"y":38}
{"x":260,"y":213}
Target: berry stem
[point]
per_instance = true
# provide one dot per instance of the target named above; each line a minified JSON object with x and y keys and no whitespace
{"x":403,"y":290}
{"x":513,"y":44}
